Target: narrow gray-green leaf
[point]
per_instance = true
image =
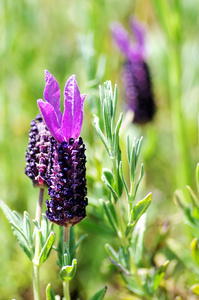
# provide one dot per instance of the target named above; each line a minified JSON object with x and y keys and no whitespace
{"x":115,"y":196}
{"x":16,"y":223}
{"x":100,"y":133}
{"x":111,"y":252}
{"x":109,"y":176}
{"x":116,"y":147}
{"x":49,"y":293}
{"x":140,"y":208}
{"x":99,"y":295}
{"x":45,"y":251}
{"x":123,"y":180}
{"x":128,"y":149}
{"x":109,"y":215}
{"x":27,"y":228}
{"x":139,"y":180}
{"x":159,"y":275}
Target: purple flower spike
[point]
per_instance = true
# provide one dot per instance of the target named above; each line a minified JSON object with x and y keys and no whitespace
{"x":136,"y":73}
{"x":66,"y":126}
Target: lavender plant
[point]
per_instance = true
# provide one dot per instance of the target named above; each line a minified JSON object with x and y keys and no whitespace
{"x":126,"y":216}
{"x":55,"y":159}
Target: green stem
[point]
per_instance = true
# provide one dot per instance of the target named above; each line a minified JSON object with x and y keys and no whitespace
{"x":178,"y":124}
{"x":66,"y":290}
{"x":36,"y":284}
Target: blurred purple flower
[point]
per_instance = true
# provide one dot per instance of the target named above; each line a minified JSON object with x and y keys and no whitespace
{"x":136,"y":74}
{"x":66,"y":168}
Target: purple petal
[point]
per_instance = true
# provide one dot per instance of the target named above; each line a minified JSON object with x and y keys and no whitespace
{"x":139,"y":32}
{"x":121,"y":37}
{"x":50,"y":118}
{"x":52,"y":94}
{"x":79,"y":118}
{"x":73,"y":110}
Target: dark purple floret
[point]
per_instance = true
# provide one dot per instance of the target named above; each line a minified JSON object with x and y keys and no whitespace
{"x":37,"y":153}
{"x":67,"y":188}
{"x":138,"y":90}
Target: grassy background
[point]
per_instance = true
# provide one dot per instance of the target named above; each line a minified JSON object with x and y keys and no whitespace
{"x":38,"y":35}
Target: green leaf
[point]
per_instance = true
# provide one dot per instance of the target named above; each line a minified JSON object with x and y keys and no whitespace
{"x":107,"y":109}
{"x":77,"y":244}
{"x":100,"y":294}
{"x":45,"y":251}
{"x":27,"y":227}
{"x":109,"y":215}
{"x":159,"y":275}
{"x":197,"y":177}
{"x":133,"y":286}
{"x":68,"y":272}
{"x":17,"y":225}
{"x":119,"y":266}
{"x":123,"y":180}
{"x":44,"y":229}
{"x":113,"y":192}
{"x":139,"y":180}
{"x":49,"y":293}
{"x":195,"y":250}
{"x":140,"y":208}
{"x":112,"y":208}
{"x":100,"y":133}
{"x":116,"y":147}
{"x":195,"y":289}
{"x":114,"y":103}
{"x":111,"y":252}
{"x":109,"y":176}
{"x":138,"y":240}
{"x":194,"y":202}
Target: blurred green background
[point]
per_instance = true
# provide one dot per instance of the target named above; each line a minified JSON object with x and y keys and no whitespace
{"x":73,"y":37}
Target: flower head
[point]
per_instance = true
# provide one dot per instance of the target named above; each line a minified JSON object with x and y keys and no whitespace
{"x":136,"y":74}
{"x":37,"y":153}
{"x":67,"y":125}
{"x":66,"y":168}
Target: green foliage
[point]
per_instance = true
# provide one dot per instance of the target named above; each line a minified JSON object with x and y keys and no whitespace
{"x":49,"y":293}
{"x":100,"y":294}
{"x":66,"y":252}
{"x":21,"y":229}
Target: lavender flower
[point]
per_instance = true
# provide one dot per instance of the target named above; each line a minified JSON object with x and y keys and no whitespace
{"x":136,"y":73}
{"x":66,"y":181}
{"x":37,"y":153}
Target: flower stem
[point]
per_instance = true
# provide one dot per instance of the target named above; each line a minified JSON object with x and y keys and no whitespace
{"x":36,"y":285}
{"x":66,"y":290}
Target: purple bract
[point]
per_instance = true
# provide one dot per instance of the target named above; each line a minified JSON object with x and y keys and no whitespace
{"x":132,"y":50}
{"x":67,"y":125}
